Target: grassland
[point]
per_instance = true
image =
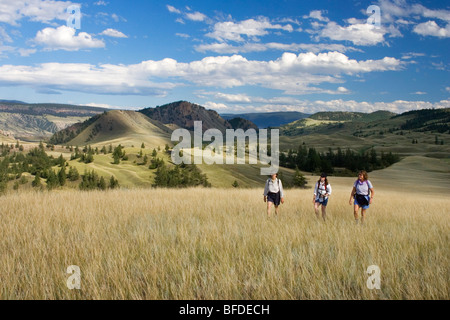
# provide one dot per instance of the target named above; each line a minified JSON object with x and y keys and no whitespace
{"x":219,"y":244}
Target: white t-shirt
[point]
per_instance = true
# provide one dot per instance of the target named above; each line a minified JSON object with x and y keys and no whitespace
{"x":362,"y":188}
{"x":320,"y":190}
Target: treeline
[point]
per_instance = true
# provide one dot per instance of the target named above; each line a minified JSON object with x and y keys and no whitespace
{"x":309,"y":159}
{"x":40,"y":165}
{"x":178,"y":176}
{"x":428,"y":120}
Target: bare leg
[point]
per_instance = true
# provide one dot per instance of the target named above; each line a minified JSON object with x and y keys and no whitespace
{"x":363,"y":213}
{"x":276,"y":210}
{"x":356,"y":209}
{"x":269,"y":206}
{"x":324,"y":213}
{"x":316,"y":209}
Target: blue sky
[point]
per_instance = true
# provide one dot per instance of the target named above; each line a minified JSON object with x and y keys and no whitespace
{"x":230,"y":56}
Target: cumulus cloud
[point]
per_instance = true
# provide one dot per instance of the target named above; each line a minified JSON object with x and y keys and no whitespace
{"x":113,"y":33}
{"x":430,"y":28}
{"x":251,"y":29}
{"x":291,"y":73}
{"x":36,"y":10}
{"x":64,"y":38}
{"x":360,"y":34}
{"x":316,"y":14}
{"x":311,"y":107}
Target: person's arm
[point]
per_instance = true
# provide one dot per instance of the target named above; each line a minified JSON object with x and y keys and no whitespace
{"x":266,"y":190}
{"x":315,"y":192}
{"x":352,"y":194}
{"x":329,"y":190}
{"x":372,"y":193}
{"x":281,"y":192}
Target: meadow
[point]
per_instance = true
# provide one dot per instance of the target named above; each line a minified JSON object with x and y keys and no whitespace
{"x":220,"y":244}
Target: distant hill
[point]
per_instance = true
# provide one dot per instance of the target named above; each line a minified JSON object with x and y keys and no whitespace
{"x":329,"y":122}
{"x":268,"y":119}
{"x":36,"y":122}
{"x":183,"y":114}
{"x":352,"y":116}
{"x":241,"y":123}
{"x":115,"y":126}
{"x":39,"y":109}
{"x":12,"y":101}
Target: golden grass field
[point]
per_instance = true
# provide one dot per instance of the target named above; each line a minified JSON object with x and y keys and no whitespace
{"x":219,"y":244}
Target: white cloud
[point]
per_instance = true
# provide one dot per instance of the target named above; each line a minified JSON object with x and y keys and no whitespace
{"x":251,"y":28}
{"x":182,"y":35}
{"x":101,"y":3}
{"x":173,"y":9}
{"x":193,"y":16}
{"x":36,"y":10}
{"x":64,"y":38}
{"x":316,"y":14}
{"x":311,"y":107}
{"x":291,"y":73}
{"x":447,"y":89}
{"x":26,"y":52}
{"x":360,"y":34}
{"x":113,"y":33}
{"x":196,"y":16}
{"x":430,"y":28}
{"x":419,"y":93}
{"x":259,"y":47}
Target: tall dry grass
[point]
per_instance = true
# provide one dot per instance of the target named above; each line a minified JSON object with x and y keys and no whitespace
{"x":219,"y":244}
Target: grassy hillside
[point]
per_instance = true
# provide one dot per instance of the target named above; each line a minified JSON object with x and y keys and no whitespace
{"x":123,"y":127}
{"x":395,"y":134}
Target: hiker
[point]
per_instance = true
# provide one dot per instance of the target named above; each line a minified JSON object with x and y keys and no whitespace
{"x":322,"y":191}
{"x":362,"y":193}
{"x":273,"y":193}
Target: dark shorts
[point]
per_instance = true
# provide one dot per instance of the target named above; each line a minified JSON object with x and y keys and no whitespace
{"x":324,"y":202}
{"x":364,"y":207}
{"x":274,"y":197}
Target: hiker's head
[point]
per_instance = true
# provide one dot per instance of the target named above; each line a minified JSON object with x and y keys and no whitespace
{"x":363,"y":176}
{"x":274,"y":175}
{"x":323,"y":178}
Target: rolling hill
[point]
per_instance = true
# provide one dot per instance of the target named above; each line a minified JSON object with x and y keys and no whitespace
{"x":421,"y":132}
{"x":125,"y":127}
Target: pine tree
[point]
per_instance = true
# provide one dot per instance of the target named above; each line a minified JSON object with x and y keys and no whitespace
{"x":52,"y":180}
{"x":62,"y":177}
{"x":299,"y":179}
{"x":37,"y":181}
{"x":102,"y":183}
{"x":113,"y":183}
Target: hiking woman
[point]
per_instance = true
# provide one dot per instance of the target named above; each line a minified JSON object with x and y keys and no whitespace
{"x":322,"y":191}
{"x":273,"y":193}
{"x":362,"y":193}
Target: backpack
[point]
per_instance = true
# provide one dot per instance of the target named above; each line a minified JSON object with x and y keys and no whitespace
{"x":318,"y":185}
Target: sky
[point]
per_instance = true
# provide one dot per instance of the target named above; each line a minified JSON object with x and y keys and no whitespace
{"x":230,"y":56}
